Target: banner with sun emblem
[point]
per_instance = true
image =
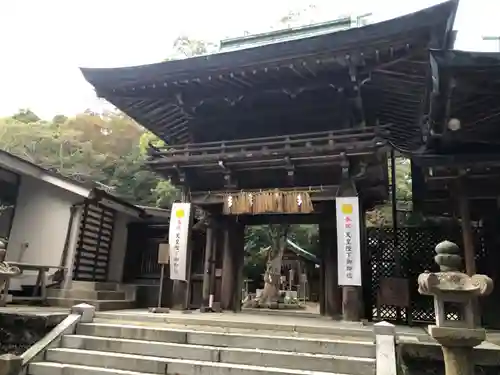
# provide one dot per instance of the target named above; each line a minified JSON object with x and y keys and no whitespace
{"x":178,"y":238}
{"x":348,"y":240}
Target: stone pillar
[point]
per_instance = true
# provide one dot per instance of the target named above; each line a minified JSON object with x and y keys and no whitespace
{"x":457,"y":339}
{"x":10,"y":364}
{"x":385,"y":348}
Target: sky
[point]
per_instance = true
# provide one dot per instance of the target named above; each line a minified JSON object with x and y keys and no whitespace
{"x":44,"y":42}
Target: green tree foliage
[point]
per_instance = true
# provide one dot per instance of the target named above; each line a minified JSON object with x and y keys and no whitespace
{"x":26,"y":115}
{"x":257,"y":243}
{"x":104,"y":148}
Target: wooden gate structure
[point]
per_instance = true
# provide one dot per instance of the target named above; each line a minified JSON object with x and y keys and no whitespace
{"x":94,"y":243}
{"x":274,"y":133}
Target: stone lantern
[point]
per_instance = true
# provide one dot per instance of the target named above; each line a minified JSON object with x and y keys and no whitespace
{"x":450,"y":285}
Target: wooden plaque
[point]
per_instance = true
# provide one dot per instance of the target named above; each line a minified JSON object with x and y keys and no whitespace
{"x":394,"y":291}
{"x":163,"y":253}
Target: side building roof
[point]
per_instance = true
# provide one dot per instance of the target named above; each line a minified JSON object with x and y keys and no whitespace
{"x":23,"y":167}
{"x":465,"y":89}
{"x":461,"y":134}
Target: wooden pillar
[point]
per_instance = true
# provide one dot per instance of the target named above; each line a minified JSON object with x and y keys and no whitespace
{"x":352,"y":295}
{"x":331,"y":288}
{"x":213,"y":262}
{"x":467,"y":233}
{"x":322,"y":301}
{"x":180,"y":292}
{"x":351,"y":303}
{"x":228,"y":270}
{"x":181,"y":289}
{"x":364,"y":310}
{"x":238,"y":235}
{"x":468,"y":240}
{"x":207,"y":268}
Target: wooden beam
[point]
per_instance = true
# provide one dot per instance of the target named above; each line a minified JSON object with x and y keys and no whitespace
{"x":279,"y":219}
{"x":317,"y":193}
{"x":212,"y":198}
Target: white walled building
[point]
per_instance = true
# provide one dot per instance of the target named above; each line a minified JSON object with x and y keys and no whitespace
{"x":47,"y":219}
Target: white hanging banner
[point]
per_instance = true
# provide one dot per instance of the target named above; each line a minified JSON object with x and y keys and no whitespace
{"x":348,"y":240}
{"x":178,"y":238}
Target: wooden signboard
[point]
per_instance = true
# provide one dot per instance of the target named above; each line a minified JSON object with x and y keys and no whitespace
{"x":163,"y":253}
{"x":394,"y":291}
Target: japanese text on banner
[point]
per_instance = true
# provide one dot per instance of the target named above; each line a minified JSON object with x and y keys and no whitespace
{"x":178,"y":239}
{"x":348,"y":241}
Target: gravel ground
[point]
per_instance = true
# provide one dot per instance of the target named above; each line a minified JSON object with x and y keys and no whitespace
{"x":19,"y":332}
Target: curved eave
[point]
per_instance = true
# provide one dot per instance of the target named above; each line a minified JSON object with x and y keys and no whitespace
{"x":466,"y":86}
{"x":162,"y":97}
{"x":440,"y":16}
{"x":462,"y":71}
{"x":458,"y":60}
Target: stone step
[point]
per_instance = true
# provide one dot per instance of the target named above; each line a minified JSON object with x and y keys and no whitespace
{"x":317,"y":326}
{"x":230,"y":340}
{"x":342,"y":335}
{"x":52,"y":368}
{"x":84,"y":294}
{"x":94,"y":285}
{"x":100,"y":305}
{"x":154,"y":365}
{"x":271,"y":358}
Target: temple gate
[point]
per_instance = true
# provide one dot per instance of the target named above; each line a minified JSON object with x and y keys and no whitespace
{"x":275,"y":134}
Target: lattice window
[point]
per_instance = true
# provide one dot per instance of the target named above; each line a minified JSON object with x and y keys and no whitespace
{"x":415,"y":246}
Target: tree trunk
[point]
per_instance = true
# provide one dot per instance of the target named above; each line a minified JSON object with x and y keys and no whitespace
{"x":272,"y":277}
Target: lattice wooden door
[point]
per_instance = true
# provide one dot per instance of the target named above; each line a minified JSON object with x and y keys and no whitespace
{"x":94,"y":244}
{"x":416,"y":251}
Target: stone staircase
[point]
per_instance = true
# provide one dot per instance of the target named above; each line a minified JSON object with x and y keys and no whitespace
{"x":102,"y":295}
{"x":145,"y":348}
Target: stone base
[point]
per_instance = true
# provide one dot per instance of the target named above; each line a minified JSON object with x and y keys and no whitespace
{"x":273,"y":306}
{"x":10,"y":364}
{"x":457,"y":337}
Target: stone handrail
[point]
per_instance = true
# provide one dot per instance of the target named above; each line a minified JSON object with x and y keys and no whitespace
{"x":14,"y":365}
